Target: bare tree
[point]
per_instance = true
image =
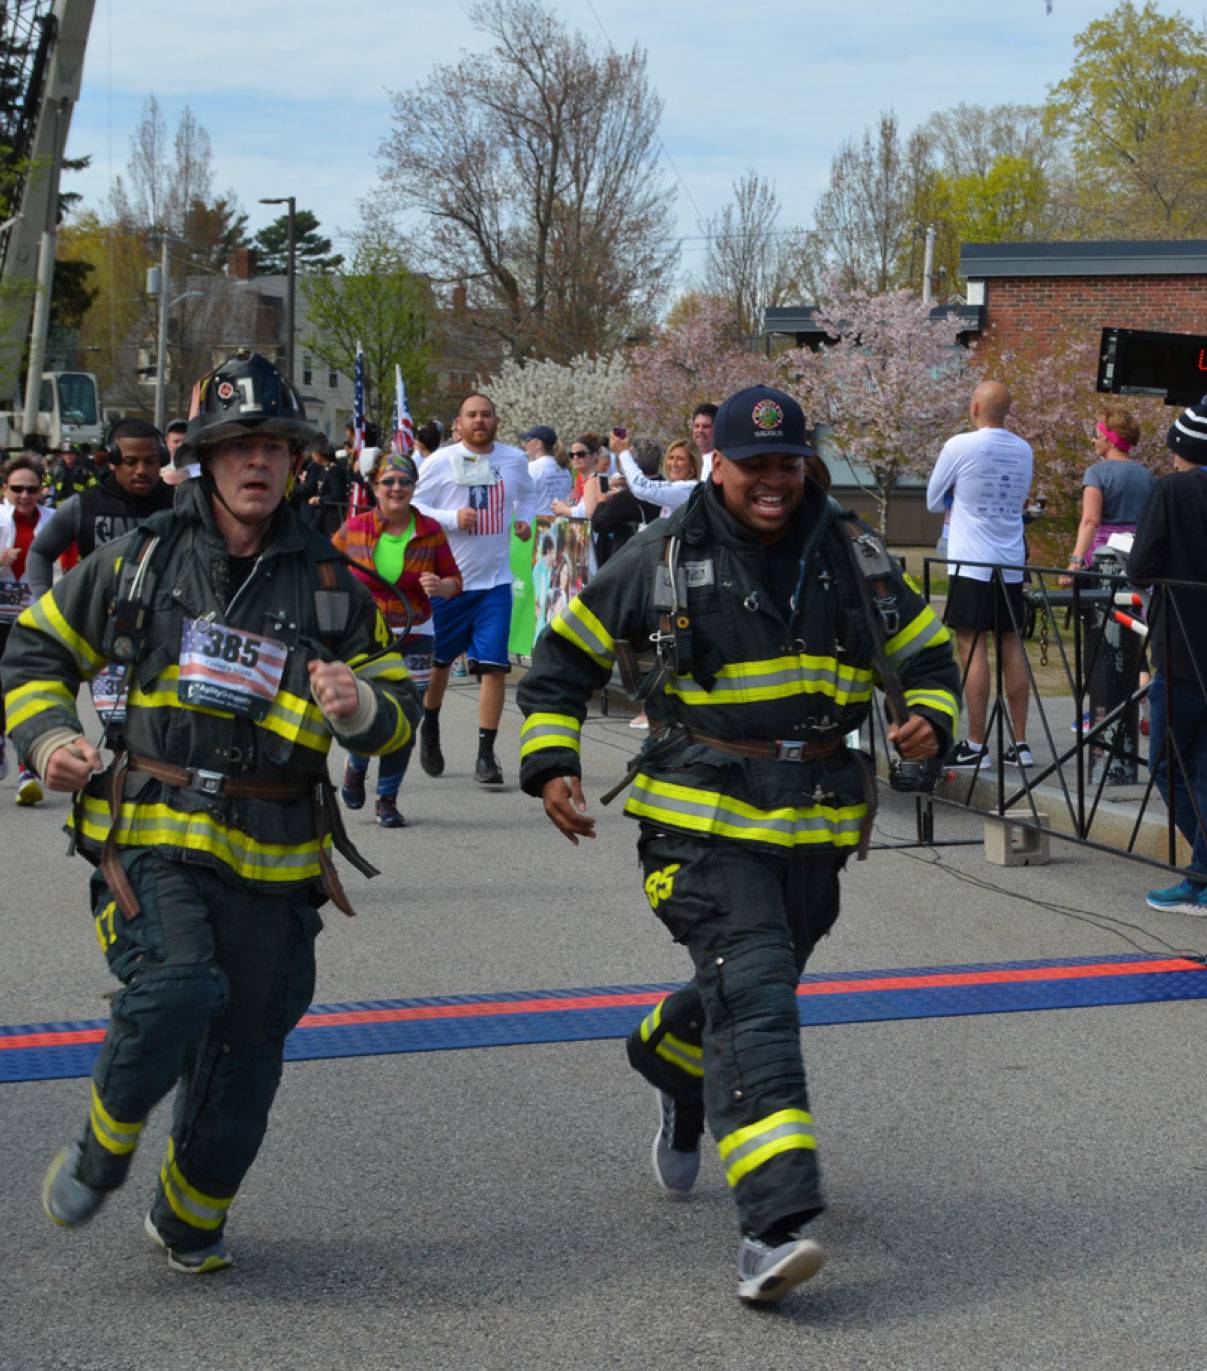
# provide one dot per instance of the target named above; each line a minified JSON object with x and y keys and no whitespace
{"x":751,"y":262}
{"x":862,"y":219}
{"x":537,"y":171}
{"x":968,"y":139}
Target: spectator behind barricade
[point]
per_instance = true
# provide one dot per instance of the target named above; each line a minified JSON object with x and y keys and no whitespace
{"x":323,"y":489}
{"x":427,"y":439}
{"x":409,"y":552}
{"x":1115,"y":489}
{"x":702,"y":422}
{"x":681,"y":468}
{"x":550,"y":474}
{"x":584,"y":461}
{"x":129,"y":492}
{"x":1169,"y":545}
{"x":988,"y":474}
{"x":21,"y":516}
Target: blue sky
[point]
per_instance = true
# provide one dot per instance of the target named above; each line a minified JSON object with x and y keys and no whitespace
{"x":296,"y":97}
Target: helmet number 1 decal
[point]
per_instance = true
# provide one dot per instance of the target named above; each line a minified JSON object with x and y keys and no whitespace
{"x":248,"y":391}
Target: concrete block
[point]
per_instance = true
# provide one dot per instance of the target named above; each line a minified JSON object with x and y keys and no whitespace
{"x":1010,"y":844}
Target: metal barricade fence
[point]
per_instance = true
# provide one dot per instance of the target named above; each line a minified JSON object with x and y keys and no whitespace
{"x":1096,"y":626}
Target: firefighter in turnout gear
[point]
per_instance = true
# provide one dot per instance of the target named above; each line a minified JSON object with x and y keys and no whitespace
{"x":769,"y":640}
{"x":249,"y":645}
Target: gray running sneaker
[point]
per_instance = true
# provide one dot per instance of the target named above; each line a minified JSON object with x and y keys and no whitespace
{"x":767,"y":1273}
{"x":676,"y":1153}
{"x":68,"y":1201}
{"x":199,"y":1261}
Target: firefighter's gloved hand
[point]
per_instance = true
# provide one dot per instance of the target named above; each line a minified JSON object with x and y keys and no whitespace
{"x":915,"y":739}
{"x":567,"y":809}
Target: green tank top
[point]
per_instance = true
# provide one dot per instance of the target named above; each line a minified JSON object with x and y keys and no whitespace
{"x":391,"y":551}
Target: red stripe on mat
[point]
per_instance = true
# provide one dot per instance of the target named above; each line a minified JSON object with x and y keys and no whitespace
{"x":928,"y":980}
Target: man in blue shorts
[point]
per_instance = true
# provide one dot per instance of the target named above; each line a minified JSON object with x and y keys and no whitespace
{"x":474,"y":488}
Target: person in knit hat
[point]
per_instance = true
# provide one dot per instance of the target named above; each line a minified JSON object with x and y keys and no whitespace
{"x":1169,"y":546}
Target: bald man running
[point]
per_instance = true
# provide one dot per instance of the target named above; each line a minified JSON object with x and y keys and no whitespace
{"x":985,"y":476}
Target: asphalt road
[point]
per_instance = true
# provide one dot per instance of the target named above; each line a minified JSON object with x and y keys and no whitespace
{"x":1020,"y":1190}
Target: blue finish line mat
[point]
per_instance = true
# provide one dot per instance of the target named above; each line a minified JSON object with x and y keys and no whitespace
{"x":37,"y":1052}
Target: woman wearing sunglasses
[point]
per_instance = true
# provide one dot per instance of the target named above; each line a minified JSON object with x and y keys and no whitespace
{"x":404,"y":549}
{"x":21,"y":515}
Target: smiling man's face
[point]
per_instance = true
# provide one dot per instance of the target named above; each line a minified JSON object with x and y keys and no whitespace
{"x":761,"y":492}
{"x":250,"y":473}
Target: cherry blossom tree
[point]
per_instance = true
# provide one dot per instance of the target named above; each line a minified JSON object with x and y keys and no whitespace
{"x":699,"y":355}
{"x":891,"y":388}
{"x":582,"y":395}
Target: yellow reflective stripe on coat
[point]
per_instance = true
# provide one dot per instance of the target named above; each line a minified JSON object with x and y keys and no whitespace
{"x":402,"y":729}
{"x":540,"y":731}
{"x":926,"y":629}
{"x":942,"y":701}
{"x":112,"y":1134}
{"x":777,"y":678}
{"x":388,"y":667}
{"x":748,"y":1148}
{"x":45,"y":617}
{"x":686,"y":1056}
{"x":190,"y":1205}
{"x":36,"y":697}
{"x":580,"y":627}
{"x":708,"y":811}
{"x":289,"y":716}
{"x":159,"y":825}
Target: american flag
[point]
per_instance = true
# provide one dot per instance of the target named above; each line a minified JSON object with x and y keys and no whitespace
{"x":258,"y":677}
{"x":491,"y":504}
{"x":403,"y":439}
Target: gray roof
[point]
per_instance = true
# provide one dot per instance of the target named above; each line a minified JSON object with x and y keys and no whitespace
{"x":800,"y":319}
{"x":979,"y":261}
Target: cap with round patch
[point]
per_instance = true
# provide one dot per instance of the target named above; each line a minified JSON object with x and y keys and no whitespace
{"x":760,"y":420}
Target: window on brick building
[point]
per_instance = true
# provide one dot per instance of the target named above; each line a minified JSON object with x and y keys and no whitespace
{"x":307,"y":371}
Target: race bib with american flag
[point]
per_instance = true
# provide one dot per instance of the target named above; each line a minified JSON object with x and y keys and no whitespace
{"x":491,"y":504}
{"x":228,"y":668}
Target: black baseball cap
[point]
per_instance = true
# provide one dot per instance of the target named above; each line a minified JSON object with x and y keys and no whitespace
{"x":542,"y":433}
{"x":758,"y":420}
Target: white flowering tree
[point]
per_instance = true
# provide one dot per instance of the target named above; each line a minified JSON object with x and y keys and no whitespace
{"x":583,"y":395}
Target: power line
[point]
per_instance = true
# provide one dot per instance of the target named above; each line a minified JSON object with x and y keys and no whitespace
{"x":661,"y":145}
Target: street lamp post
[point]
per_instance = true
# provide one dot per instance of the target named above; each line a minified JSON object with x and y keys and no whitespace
{"x":290,"y":279}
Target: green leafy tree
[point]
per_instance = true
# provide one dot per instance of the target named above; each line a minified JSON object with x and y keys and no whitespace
{"x":380,"y":304}
{"x":1006,"y":204}
{"x":312,"y":251}
{"x":1134,"y":108}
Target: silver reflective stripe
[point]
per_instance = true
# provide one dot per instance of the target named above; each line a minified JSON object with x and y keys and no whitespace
{"x":128,"y":828}
{"x":550,"y":731}
{"x":915,"y":645}
{"x":785,"y":1130}
{"x":579,"y":630}
{"x":683,"y":1055}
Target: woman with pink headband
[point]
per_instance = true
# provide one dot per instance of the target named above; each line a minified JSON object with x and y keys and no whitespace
{"x":1115,"y":489}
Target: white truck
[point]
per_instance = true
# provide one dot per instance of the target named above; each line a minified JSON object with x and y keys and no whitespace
{"x":69,"y":411}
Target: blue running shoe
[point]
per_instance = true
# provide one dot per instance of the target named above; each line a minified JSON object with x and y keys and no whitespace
{"x":767,"y":1273}
{"x":1187,"y":897}
{"x":66,"y":1199}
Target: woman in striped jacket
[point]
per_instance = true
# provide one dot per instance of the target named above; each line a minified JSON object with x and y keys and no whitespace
{"x":404,"y":559}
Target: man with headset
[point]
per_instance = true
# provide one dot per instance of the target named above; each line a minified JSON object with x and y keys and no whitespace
{"x":129,"y":491}
{"x":249,"y":646}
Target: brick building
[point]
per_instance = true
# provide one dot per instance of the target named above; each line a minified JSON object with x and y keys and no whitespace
{"x":1034,"y":294}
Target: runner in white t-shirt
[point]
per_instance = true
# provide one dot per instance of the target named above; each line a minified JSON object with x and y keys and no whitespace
{"x":474,"y":487}
{"x":987,"y":474}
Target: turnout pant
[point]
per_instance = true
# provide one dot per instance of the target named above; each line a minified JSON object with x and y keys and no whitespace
{"x":214,"y":975}
{"x":749,"y":919}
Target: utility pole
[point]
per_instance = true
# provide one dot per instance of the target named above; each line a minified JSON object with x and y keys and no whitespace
{"x":928,"y":265}
{"x":161,"y":344}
